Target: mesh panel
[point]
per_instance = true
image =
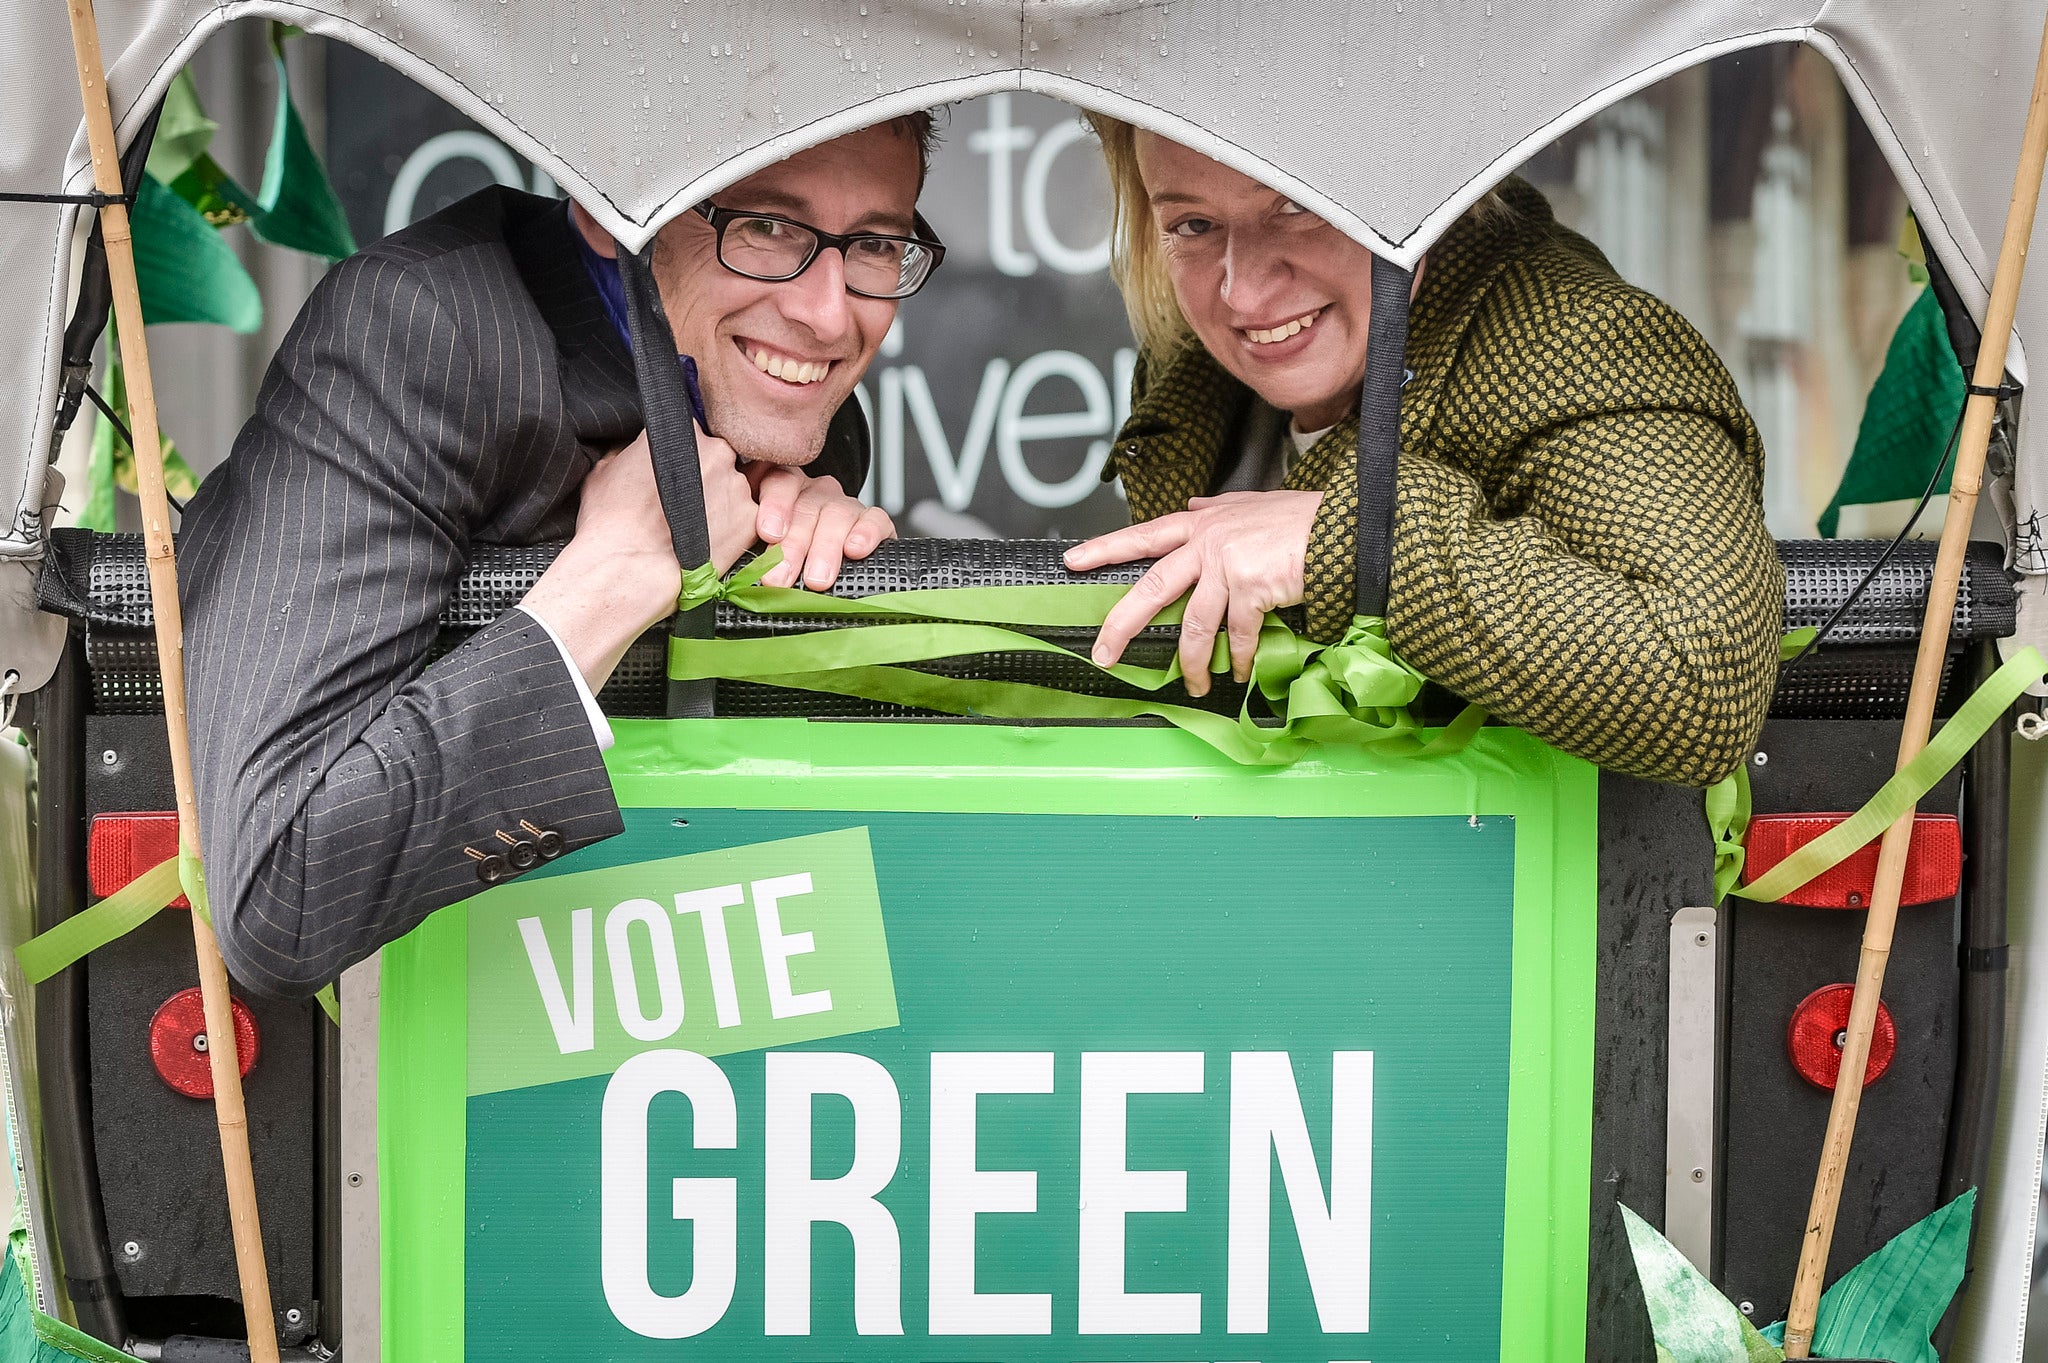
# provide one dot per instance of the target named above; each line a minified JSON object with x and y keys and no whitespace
{"x":1863,"y":674}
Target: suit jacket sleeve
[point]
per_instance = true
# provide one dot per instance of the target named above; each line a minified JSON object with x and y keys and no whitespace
{"x":346,"y":787}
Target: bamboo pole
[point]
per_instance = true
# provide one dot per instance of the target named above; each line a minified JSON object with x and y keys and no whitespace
{"x":170,"y":642}
{"x":1927,"y":669}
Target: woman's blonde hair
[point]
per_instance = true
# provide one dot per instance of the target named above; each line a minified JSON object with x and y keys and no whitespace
{"x":1137,"y":256}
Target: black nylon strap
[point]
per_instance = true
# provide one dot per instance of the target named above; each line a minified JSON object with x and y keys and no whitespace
{"x":672,"y":441}
{"x":1379,"y":433}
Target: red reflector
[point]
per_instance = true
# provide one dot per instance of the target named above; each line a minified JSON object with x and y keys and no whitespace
{"x":1934,"y":860}
{"x":178,"y":1043}
{"x":121,"y":847}
{"x":1818,"y":1033}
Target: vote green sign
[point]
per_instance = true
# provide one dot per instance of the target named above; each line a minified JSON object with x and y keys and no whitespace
{"x":992,"y":1045}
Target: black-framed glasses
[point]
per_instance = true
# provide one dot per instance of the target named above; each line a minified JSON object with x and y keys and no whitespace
{"x":772,"y":248}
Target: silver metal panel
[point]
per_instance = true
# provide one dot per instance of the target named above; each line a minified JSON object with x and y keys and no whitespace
{"x":1691,"y":1075}
{"x":362,"y":1313}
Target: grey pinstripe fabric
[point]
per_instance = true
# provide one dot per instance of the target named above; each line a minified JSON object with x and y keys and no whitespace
{"x":448,"y":386}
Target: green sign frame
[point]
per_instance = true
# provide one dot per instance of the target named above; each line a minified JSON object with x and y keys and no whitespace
{"x":1541,"y":802}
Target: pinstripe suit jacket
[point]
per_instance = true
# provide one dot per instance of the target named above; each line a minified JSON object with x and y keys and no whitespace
{"x":449,"y":386}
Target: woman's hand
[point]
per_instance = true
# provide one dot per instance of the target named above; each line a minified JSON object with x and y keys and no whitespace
{"x":818,"y":526}
{"x":1238,"y":556}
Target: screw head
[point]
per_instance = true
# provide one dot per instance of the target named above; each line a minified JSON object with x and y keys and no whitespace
{"x":1760,"y":759}
{"x":109,"y":758}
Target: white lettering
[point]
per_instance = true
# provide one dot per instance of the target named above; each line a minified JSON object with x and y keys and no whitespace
{"x":777,"y":947}
{"x":1110,"y":1192}
{"x":668,"y":980}
{"x":997,"y":141}
{"x":710,"y":906}
{"x":574,"y":1020}
{"x":712,"y":1204}
{"x":955,"y":477}
{"x":1335,"y":1238}
{"x":1013,"y":428}
{"x":794,"y":1200}
{"x":1037,"y":226}
{"x":960,"y":1192}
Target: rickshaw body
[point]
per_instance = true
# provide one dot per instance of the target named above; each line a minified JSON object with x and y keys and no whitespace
{"x":1535,"y":933}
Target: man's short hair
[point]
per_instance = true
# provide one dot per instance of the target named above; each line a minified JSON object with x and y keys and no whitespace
{"x":923,"y":129}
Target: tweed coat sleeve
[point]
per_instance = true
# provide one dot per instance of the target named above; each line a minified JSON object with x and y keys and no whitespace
{"x":1581,"y":543}
{"x":340,"y":776}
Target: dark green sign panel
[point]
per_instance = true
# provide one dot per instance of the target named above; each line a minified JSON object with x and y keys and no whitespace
{"x":1030,"y":1046}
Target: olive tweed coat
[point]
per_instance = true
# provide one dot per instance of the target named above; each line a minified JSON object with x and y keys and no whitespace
{"x":1579,"y":539}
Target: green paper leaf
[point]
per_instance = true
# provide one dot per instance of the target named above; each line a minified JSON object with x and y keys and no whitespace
{"x":1888,"y":1305}
{"x":187,"y":272}
{"x":1907,"y":417}
{"x":1692,"y":1322}
{"x":183,"y":131}
{"x":297,"y":206}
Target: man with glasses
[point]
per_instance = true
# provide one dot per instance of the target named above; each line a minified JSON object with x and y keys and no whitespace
{"x":470,"y":380}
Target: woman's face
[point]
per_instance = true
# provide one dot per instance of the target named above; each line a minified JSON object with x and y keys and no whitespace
{"x":1279,"y":297}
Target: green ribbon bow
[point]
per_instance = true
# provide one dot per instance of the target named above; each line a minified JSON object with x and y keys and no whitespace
{"x":1354,"y":691}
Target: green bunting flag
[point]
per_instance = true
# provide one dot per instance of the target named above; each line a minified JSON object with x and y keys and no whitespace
{"x":1690,"y":1320}
{"x":29,"y":1336}
{"x":1907,"y":418}
{"x":1888,"y":1305}
{"x":297,"y":206}
{"x":187,"y":273}
{"x":1885,"y":1307}
{"x":113,"y":462}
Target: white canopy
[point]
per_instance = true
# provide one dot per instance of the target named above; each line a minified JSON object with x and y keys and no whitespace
{"x":1389,"y":119}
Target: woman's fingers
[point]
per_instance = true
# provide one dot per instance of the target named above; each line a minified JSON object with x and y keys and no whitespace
{"x":1146,"y":539}
{"x":1246,"y":619}
{"x":1159,"y":588}
{"x":1198,"y":625}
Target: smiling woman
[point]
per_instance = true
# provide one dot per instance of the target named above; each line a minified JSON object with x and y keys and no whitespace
{"x":1579,"y":537}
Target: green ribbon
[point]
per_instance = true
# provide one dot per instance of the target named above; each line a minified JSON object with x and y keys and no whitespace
{"x":123,"y":911}
{"x":1728,"y":802}
{"x":120,"y":913}
{"x":1355,"y":691}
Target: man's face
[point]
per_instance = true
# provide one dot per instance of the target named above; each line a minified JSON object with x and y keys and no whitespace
{"x":775,"y":361}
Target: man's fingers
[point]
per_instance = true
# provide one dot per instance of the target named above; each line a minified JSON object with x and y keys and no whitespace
{"x":777,"y":491}
{"x":796,"y":542}
{"x":828,"y":543}
{"x":1198,"y":625}
{"x":1159,"y":588}
{"x":1245,"y":622}
{"x":869,"y":531}
{"x":1146,"y":539}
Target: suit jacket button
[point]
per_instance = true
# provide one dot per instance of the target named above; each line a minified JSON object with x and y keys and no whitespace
{"x":549,"y":843}
{"x":492,"y":869}
{"x":523,"y":855}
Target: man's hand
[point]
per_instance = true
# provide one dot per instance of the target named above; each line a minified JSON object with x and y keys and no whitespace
{"x":815,"y":522}
{"x":1240,"y":554}
{"x":618,"y":576}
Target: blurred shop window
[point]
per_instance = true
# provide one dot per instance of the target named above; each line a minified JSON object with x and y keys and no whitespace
{"x":1750,"y":195}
